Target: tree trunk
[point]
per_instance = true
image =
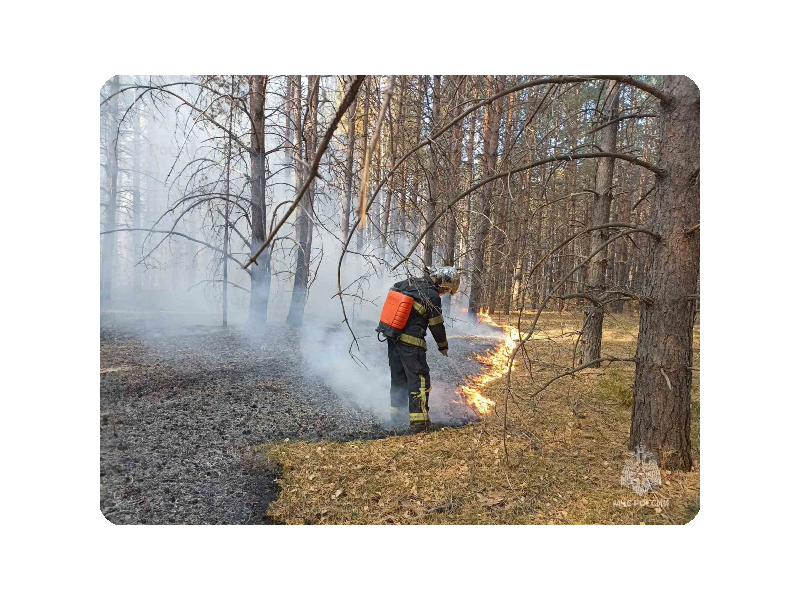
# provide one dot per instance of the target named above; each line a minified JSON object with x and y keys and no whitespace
{"x":491,"y":134}
{"x":522,"y":217}
{"x":455,"y":160}
{"x":497,"y":266}
{"x":374,"y":174}
{"x":259,"y":273}
{"x":469,"y":200}
{"x":388,"y":210}
{"x":136,"y":204}
{"x":303,"y":223}
{"x":288,"y":125}
{"x":348,"y":171}
{"x":430,"y":205}
{"x":364,"y":143}
{"x":109,"y":247}
{"x":396,"y":133}
{"x":538,"y":241}
{"x":549,"y":236}
{"x":662,"y":389}
{"x":592,"y":336}
{"x":227,"y":232}
{"x":623,"y":268}
{"x":402,"y":209}
{"x":573,"y":106}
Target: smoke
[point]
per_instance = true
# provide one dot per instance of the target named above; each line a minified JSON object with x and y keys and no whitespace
{"x":353,"y":363}
{"x":181,"y":279}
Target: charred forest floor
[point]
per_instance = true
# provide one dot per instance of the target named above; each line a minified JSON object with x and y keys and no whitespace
{"x":186,"y":407}
{"x":566,"y":453}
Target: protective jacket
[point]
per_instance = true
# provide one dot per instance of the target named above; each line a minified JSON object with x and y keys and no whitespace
{"x":427,"y":312}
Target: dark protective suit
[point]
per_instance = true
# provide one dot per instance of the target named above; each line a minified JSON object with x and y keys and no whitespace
{"x":411,"y":377}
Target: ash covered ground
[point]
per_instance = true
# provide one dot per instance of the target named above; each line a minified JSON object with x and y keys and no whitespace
{"x":184,"y":402}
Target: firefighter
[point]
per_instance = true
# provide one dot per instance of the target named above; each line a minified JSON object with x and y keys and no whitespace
{"x":411,"y":377}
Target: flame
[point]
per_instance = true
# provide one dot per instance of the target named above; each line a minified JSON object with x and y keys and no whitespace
{"x":496,"y":359}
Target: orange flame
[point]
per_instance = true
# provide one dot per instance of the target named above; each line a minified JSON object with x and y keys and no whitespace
{"x":496,"y":359}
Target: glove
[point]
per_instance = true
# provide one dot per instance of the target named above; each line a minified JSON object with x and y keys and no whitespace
{"x":443,"y":351}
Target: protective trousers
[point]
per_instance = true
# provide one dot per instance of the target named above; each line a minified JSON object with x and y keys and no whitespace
{"x":411,"y":383}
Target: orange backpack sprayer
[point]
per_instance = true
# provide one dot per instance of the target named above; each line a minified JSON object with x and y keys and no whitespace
{"x":394,"y":316}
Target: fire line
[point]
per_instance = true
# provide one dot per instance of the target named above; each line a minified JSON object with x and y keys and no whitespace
{"x":496,"y":359}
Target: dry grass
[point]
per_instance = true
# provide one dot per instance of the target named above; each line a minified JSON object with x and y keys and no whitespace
{"x":566,"y":455}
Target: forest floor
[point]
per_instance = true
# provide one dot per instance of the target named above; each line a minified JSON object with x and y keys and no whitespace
{"x":185,"y":406}
{"x":566,"y":453}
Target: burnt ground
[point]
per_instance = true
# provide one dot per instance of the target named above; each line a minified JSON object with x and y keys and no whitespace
{"x":185,"y":403}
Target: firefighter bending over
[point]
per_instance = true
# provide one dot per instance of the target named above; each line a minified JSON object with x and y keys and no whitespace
{"x":413,"y":306}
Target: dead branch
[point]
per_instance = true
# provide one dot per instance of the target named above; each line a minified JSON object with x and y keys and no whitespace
{"x":560,"y":157}
{"x":622,"y":118}
{"x":349,"y":96}
{"x":244,"y":289}
{"x":588,"y":365}
{"x":179,"y":234}
{"x":637,"y":84}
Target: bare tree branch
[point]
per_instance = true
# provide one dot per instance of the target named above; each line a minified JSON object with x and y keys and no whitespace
{"x":179,"y":234}
{"x":349,"y":97}
{"x":653,"y":91}
{"x":559,"y":157}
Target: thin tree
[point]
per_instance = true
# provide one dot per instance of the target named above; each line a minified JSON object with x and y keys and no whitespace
{"x":592,"y":333}
{"x":303,"y":222}
{"x":109,"y":248}
{"x":227,"y":228}
{"x":491,"y":136}
{"x":260,"y":274}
